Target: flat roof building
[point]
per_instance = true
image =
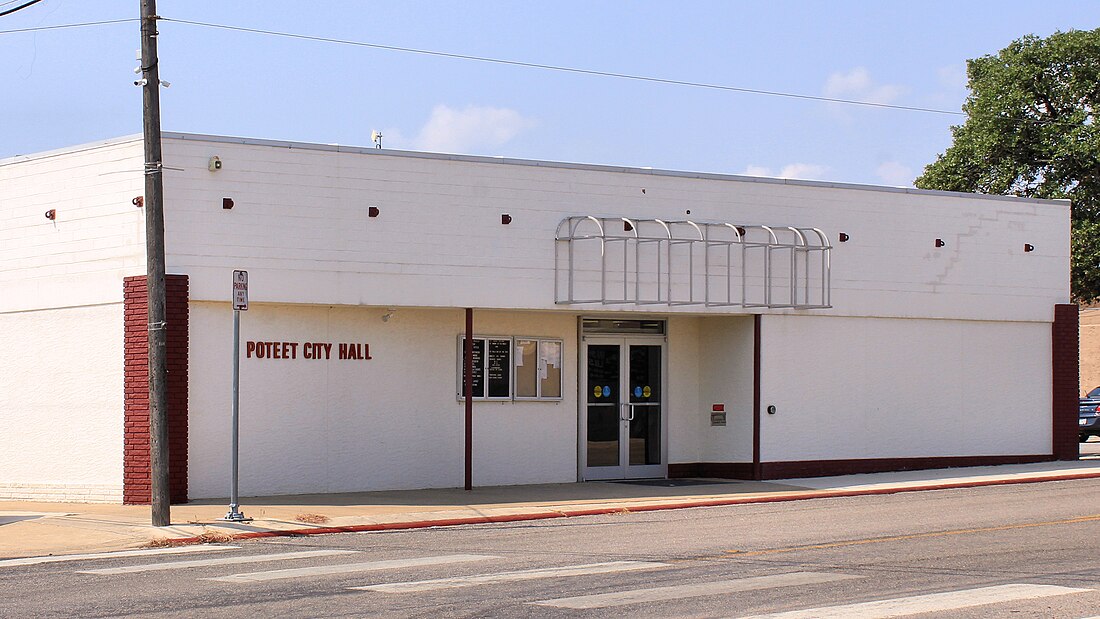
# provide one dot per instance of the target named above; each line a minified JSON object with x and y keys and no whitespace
{"x":628,"y":323}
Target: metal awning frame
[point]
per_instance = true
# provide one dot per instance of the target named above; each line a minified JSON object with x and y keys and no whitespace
{"x":791,"y":248}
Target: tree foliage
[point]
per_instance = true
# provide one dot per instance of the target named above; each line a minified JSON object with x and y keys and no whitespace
{"x":1031,"y":130}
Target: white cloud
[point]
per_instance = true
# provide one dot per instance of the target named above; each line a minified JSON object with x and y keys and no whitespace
{"x":802,"y":171}
{"x":895,"y":174}
{"x":392,"y":137}
{"x":952,"y":77}
{"x":807,"y":171}
{"x":857,"y":85}
{"x":469,"y":129}
{"x":951,"y":91}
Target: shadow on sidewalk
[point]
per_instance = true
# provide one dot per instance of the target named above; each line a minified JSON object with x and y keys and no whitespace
{"x":523,"y":495}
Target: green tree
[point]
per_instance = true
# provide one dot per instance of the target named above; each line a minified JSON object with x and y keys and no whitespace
{"x":1031,"y":130}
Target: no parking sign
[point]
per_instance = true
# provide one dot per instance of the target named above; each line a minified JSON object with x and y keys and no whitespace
{"x":240,"y":290}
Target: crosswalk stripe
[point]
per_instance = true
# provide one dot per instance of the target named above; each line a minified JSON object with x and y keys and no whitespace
{"x":932,"y":602}
{"x":657,"y":594}
{"x":178,"y":565}
{"x":112,"y":555}
{"x":346,"y":568}
{"x":484,"y":579}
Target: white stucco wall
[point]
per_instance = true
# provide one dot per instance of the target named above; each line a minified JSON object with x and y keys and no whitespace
{"x":61,"y":404}
{"x":725,"y":377}
{"x":301,"y":219}
{"x":892,"y":388}
{"x":682,"y":404}
{"x":710,"y":362}
{"x":96,"y":238}
{"x":526,"y":442}
{"x":61,"y":330}
{"x":387,"y":423}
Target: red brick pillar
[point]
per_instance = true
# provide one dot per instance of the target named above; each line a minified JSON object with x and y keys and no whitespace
{"x":1066,"y":367}
{"x":136,"y":475}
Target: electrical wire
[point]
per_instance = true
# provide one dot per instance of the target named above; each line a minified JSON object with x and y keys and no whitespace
{"x":532,"y":65}
{"x":79,"y":25}
{"x":19,"y":8}
{"x":548,"y":67}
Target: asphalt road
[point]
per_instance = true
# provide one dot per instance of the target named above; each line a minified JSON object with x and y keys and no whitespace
{"x":1030,"y":550}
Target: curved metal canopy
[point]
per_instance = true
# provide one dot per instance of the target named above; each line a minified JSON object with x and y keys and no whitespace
{"x":622,"y":260}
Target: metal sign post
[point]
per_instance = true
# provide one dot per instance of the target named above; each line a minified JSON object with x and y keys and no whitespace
{"x":240,"y":304}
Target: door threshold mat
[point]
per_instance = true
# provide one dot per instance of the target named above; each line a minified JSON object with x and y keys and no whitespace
{"x":675,"y":483}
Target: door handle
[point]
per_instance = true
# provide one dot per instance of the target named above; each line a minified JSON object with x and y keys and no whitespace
{"x":626,"y":412}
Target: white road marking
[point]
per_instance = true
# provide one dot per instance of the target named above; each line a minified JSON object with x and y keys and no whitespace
{"x":657,"y":594}
{"x":930,"y":603}
{"x":178,"y":565}
{"x":112,"y":555}
{"x":483,"y":579}
{"x":347,"y":568}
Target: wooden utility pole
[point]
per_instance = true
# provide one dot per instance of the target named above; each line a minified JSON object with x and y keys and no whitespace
{"x":154,"y":257}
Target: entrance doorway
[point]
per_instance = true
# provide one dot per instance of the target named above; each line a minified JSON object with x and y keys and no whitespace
{"x":622,"y":408}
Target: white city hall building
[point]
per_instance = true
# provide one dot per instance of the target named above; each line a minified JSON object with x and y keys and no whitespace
{"x":627,"y":323}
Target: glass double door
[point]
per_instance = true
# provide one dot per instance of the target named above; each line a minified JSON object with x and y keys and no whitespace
{"x":622,"y":421}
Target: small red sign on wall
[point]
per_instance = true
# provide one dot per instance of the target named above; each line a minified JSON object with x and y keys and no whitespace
{"x":718,"y":408}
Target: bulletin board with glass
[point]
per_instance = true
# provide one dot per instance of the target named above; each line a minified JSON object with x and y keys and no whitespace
{"x":538,"y":369}
{"x":492,"y":361}
{"x":511,"y":368}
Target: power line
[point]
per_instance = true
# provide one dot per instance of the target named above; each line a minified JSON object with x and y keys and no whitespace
{"x":549,"y":67}
{"x":61,"y":26}
{"x":19,"y":8}
{"x":533,"y":65}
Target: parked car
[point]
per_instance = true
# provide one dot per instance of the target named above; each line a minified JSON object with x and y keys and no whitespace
{"x":1089,"y":415}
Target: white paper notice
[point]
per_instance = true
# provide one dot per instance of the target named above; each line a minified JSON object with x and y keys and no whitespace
{"x":551,"y":351}
{"x":521,"y":347}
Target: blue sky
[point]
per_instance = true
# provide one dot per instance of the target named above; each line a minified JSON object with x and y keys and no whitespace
{"x":70,"y":86}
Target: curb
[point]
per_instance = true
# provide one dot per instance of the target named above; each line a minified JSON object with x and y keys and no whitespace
{"x":568,"y":513}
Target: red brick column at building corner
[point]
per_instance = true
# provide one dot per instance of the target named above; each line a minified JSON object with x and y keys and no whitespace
{"x":136,"y":472}
{"x":1065,"y":369}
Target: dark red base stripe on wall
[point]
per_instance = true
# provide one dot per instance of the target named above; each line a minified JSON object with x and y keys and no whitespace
{"x":136,"y":475}
{"x":825,"y":468}
{"x":1065,"y":381}
{"x":716,"y":470}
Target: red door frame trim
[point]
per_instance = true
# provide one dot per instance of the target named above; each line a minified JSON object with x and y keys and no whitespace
{"x":468,"y":396}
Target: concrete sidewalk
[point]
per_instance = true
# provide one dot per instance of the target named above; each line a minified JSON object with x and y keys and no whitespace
{"x":36,"y":529}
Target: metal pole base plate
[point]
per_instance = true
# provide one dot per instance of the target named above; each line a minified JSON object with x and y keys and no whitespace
{"x":235,"y":516}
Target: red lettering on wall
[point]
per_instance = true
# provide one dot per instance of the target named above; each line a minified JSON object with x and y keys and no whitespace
{"x":310,"y":350}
